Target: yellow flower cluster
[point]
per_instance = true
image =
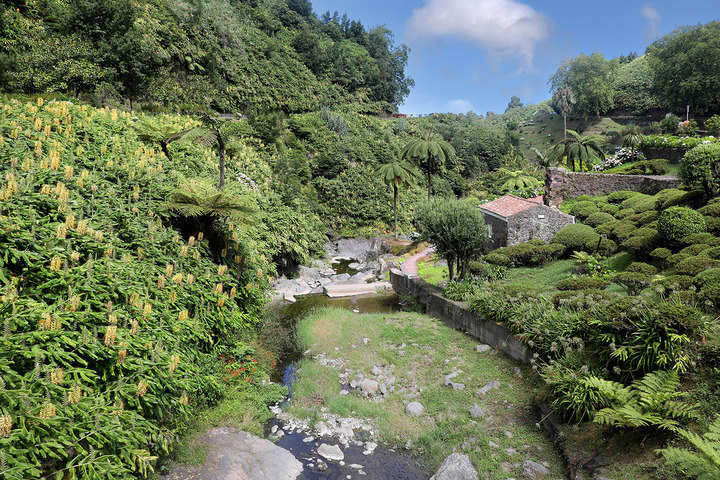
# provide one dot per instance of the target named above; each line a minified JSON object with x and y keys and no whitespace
{"x":57,"y":375}
{"x":48,"y":411}
{"x":110,"y":335}
{"x":142,"y":387}
{"x":74,"y":394}
{"x":6,"y":422}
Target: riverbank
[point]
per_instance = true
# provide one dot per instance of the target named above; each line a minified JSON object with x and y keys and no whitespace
{"x":422,"y":386}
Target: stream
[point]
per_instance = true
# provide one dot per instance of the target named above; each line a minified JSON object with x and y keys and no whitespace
{"x":382,"y":463}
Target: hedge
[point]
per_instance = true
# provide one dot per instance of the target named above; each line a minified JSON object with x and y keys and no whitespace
{"x":676,"y":223}
{"x":577,"y":237}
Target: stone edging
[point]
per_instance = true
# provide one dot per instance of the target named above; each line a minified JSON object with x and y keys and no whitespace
{"x":457,"y":315}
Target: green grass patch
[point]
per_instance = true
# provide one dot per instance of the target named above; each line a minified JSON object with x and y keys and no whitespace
{"x":431,"y":351}
{"x":539,"y":279}
{"x":432,"y":271}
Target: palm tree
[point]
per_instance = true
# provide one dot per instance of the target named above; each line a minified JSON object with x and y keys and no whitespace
{"x":430,"y":155}
{"x":632,"y":137}
{"x":578,"y":150}
{"x":517,"y":180}
{"x":398,"y":175}
{"x":563,"y":99}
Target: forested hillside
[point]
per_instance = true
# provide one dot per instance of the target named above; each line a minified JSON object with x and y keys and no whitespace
{"x":228,"y":56}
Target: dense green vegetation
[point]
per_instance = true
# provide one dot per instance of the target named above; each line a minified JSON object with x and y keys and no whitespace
{"x":119,"y":314}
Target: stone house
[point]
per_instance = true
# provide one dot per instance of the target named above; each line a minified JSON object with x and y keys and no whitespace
{"x":513,"y":220}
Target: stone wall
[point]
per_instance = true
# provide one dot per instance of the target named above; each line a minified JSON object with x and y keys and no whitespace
{"x":458,"y":316}
{"x":539,"y":222}
{"x":499,"y":235}
{"x":672,"y":155}
{"x":561,"y":184}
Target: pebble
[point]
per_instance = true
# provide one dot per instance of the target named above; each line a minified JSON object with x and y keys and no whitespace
{"x":489,"y":386}
{"x":508,"y":434}
{"x":308,"y":439}
{"x":482,"y":348}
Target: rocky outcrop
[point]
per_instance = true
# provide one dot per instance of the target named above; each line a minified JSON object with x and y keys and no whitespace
{"x":236,"y":455}
{"x":456,"y":467}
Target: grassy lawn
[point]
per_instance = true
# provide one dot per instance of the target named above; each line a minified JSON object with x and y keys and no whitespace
{"x":548,"y":130}
{"x":432,"y":270}
{"x":431,"y":351}
{"x":538,"y":279}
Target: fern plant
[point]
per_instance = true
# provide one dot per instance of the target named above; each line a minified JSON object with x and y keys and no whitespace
{"x":653,"y":401}
{"x":702,"y":465}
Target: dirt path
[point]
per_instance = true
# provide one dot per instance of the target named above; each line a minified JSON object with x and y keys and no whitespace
{"x":410,"y":267}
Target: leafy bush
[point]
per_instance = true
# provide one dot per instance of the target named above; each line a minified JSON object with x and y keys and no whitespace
{"x":657,"y":166}
{"x":712,"y":252}
{"x":676,"y":282}
{"x":624,"y":230}
{"x":701,"y":238}
{"x":643,"y":239}
{"x":708,"y":284}
{"x":661,"y":253}
{"x":583,"y":209}
{"x":462,"y":290}
{"x":671,"y":197}
{"x":632,"y":202}
{"x":623,"y":213}
{"x":676,"y":223}
{"x":698,"y":168}
{"x":694,"y":265}
{"x":712,"y":125}
{"x":577,"y":237}
{"x":669,"y":124}
{"x":633,"y":282}
{"x":608,"y":208}
{"x":531,"y":253}
{"x":704,"y":463}
{"x":642,"y":219}
{"x":487,"y":271}
{"x":607,"y":227}
{"x":640,"y":267}
{"x":497,"y":259}
{"x":676,"y":258}
{"x":580,"y":299}
{"x":598,"y":218}
{"x":695,"y":249}
{"x":620,"y":196}
{"x":686,"y":320}
{"x":582,"y":283}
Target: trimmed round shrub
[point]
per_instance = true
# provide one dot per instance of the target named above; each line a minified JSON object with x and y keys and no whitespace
{"x":676,"y":282}
{"x":607,"y":247}
{"x":577,"y":237}
{"x":686,"y":297}
{"x":698,"y":165}
{"x":582,"y":283}
{"x":608,"y":208}
{"x":607,"y":227}
{"x":598,"y":218}
{"x":621,"y":214}
{"x":661,"y":253}
{"x":695,"y":249}
{"x":694,"y":265}
{"x":641,"y":239}
{"x":646,"y":218}
{"x":712,"y":252}
{"x":677,"y":258}
{"x":683,"y":318}
{"x":636,"y":200}
{"x":712,"y":125}
{"x":671,"y":197}
{"x":624,"y":230}
{"x":582,"y":210}
{"x":619,"y":313}
{"x":620,"y":196}
{"x":633,"y":282}
{"x":708,"y":284}
{"x":702,"y":238}
{"x":497,"y":259}
{"x":487,"y":271}
{"x":712,"y":209}
{"x":641,"y":267}
{"x":676,"y":223}
{"x":645,"y":205}
{"x":713,"y":225}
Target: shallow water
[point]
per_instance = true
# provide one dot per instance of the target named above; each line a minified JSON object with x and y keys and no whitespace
{"x":383,"y":463}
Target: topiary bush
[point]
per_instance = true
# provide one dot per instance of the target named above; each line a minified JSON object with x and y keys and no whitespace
{"x":623,"y":213}
{"x":641,"y":267}
{"x":607,"y":227}
{"x":708,"y":284}
{"x":608,"y":208}
{"x":676,"y":223}
{"x":497,"y":259}
{"x":487,"y":271}
{"x":621,"y":196}
{"x":633,"y":282}
{"x":671,"y":197}
{"x":582,"y":283}
{"x":712,"y":252}
{"x":580,"y":299}
{"x":598,"y":218}
{"x":577,"y":237}
{"x":701,"y":238}
{"x":698,"y":168}
{"x":532,"y":253}
{"x":694,"y":265}
{"x":642,"y":239}
{"x":696,"y":249}
{"x":624,"y":230}
{"x":635,"y":200}
{"x":661,"y":253}
{"x":582,"y":210}
{"x":676,"y":282}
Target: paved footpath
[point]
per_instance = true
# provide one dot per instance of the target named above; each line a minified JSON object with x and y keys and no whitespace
{"x":410,"y":267}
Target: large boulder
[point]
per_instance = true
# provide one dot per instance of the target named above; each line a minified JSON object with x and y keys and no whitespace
{"x":236,"y":455}
{"x":456,"y":467}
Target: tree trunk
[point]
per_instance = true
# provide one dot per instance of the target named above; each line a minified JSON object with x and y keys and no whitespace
{"x":395,"y":197}
{"x":462,"y":267}
{"x":164,"y":148}
{"x":429,"y":185}
{"x":451,"y":267}
{"x":565,"y":124}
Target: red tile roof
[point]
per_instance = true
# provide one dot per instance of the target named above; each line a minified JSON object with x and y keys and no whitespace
{"x":509,"y":205}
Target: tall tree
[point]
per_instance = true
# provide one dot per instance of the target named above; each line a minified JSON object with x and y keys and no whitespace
{"x":684,"y":67}
{"x":578,"y":151}
{"x":514,"y":103}
{"x":563,"y":100}
{"x":398,"y":175}
{"x":590,"y":77}
{"x":429,"y":154}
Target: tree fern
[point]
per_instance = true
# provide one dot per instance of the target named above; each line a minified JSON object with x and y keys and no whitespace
{"x":702,"y":465}
{"x":652,"y":401}
{"x":199,"y":198}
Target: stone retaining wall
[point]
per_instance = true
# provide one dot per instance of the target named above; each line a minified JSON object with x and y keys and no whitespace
{"x":457,"y":315}
{"x":561,"y":184}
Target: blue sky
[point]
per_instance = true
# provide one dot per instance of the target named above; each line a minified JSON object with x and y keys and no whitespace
{"x":475,"y":54}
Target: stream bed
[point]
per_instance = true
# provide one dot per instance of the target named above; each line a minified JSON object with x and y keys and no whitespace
{"x":382,"y":463}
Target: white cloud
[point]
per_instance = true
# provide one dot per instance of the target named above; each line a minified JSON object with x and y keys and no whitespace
{"x":460,"y":105}
{"x":503,"y":28}
{"x":653,"y":19}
